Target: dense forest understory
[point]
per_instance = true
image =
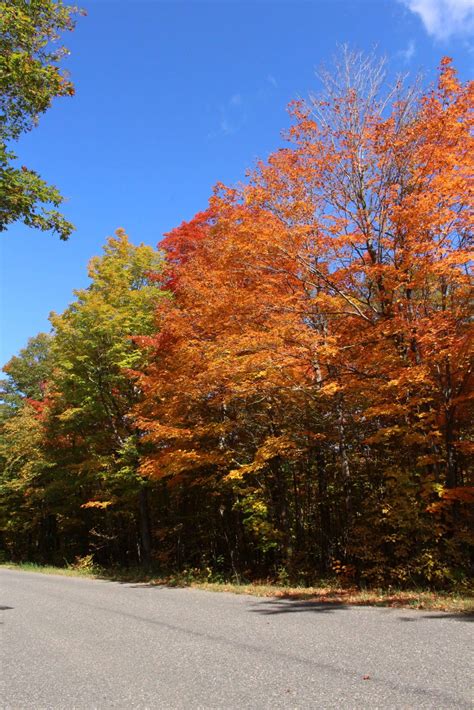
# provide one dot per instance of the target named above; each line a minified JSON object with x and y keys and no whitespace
{"x":284,"y":388}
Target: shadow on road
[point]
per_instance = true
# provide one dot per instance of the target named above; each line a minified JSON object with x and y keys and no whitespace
{"x":441,"y":615}
{"x":288,"y":606}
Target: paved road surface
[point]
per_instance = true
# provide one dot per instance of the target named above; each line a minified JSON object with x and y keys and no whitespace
{"x":78,"y":643}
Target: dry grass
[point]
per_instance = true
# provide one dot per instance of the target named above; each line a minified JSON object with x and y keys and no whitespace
{"x":461,"y":602}
{"x":457,"y":602}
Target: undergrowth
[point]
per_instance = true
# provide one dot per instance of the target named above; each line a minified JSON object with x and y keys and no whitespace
{"x":325,"y":592}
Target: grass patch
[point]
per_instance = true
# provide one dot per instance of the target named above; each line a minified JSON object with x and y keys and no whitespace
{"x":71,"y":571}
{"x":461,"y":602}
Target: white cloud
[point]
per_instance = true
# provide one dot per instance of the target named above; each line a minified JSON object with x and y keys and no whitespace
{"x":444,"y":18}
{"x":408,"y":53}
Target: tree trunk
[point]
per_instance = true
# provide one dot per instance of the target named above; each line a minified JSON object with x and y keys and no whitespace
{"x":144,"y":526}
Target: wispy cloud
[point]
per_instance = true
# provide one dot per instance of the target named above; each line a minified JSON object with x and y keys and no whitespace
{"x":408,"y":53}
{"x":232,"y":116}
{"x":225,"y":127}
{"x":271,"y":80}
{"x":233,"y":113}
{"x":443,"y":19}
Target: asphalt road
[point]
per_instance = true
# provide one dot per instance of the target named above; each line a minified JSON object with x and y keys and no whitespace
{"x":77,"y":643}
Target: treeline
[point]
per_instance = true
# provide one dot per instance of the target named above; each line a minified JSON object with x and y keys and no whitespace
{"x":283,"y":389}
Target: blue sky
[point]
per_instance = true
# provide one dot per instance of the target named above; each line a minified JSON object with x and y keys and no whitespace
{"x":172,"y":97}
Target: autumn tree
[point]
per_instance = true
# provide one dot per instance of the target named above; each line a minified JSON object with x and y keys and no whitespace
{"x":83,"y":445}
{"x":27,"y":373}
{"x":287,"y":393}
{"x":318,"y":313}
{"x":93,"y":389}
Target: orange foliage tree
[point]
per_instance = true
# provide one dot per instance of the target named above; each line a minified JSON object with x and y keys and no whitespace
{"x":308,"y":393}
{"x":302,"y":404}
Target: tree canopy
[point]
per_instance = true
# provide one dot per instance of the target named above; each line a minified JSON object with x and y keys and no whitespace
{"x":30,"y":79}
{"x":285,"y":389}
